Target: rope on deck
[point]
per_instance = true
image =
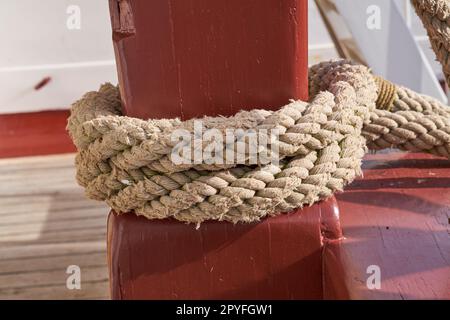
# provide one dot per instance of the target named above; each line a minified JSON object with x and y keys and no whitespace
{"x":129,"y":163}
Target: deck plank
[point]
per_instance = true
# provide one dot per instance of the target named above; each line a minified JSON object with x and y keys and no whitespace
{"x":46,"y":225}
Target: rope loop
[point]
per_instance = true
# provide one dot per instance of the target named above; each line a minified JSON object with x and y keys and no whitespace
{"x":131,"y":164}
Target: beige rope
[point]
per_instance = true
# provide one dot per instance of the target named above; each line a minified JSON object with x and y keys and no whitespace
{"x":127,"y":162}
{"x":435,"y":16}
{"x":386,"y":93}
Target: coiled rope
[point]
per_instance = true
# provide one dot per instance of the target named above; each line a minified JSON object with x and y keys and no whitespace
{"x":128,"y":163}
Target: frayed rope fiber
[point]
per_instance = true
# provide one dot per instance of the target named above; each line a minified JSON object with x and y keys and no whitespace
{"x":127,"y":162}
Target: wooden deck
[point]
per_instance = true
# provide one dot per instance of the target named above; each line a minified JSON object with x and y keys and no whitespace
{"x":46,"y":225}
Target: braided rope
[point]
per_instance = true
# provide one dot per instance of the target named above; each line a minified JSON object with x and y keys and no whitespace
{"x":127,"y":162}
{"x":435,"y":16}
{"x":386,"y":93}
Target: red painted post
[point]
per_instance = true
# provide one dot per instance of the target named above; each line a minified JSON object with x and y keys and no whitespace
{"x":213,"y":57}
{"x":193,"y":58}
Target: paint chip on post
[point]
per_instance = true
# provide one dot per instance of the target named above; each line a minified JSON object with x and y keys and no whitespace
{"x":42,"y":83}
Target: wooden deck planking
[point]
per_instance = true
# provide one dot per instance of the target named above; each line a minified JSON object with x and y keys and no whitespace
{"x":46,"y":224}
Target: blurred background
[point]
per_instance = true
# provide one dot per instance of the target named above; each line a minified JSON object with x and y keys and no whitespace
{"x":40,"y":40}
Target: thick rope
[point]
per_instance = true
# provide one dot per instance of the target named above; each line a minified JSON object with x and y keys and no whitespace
{"x":127,"y":162}
{"x":435,"y":16}
{"x":386,"y":93}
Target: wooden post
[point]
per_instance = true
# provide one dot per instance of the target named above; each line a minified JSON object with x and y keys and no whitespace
{"x":212,"y":57}
{"x":193,"y":58}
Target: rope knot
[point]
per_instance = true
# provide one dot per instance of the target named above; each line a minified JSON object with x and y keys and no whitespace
{"x":386,"y":93}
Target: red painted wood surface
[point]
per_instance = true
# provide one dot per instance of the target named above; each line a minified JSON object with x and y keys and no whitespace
{"x":277,"y":258}
{"x":398,"y":218}
{"x":208,"y":57}
{"x":35,"y":133}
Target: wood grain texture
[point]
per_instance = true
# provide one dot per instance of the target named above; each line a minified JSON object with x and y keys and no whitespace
{"x":46,"y":224}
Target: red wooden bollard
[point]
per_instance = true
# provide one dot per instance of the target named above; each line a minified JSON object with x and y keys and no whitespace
{"x":193,"y":58}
